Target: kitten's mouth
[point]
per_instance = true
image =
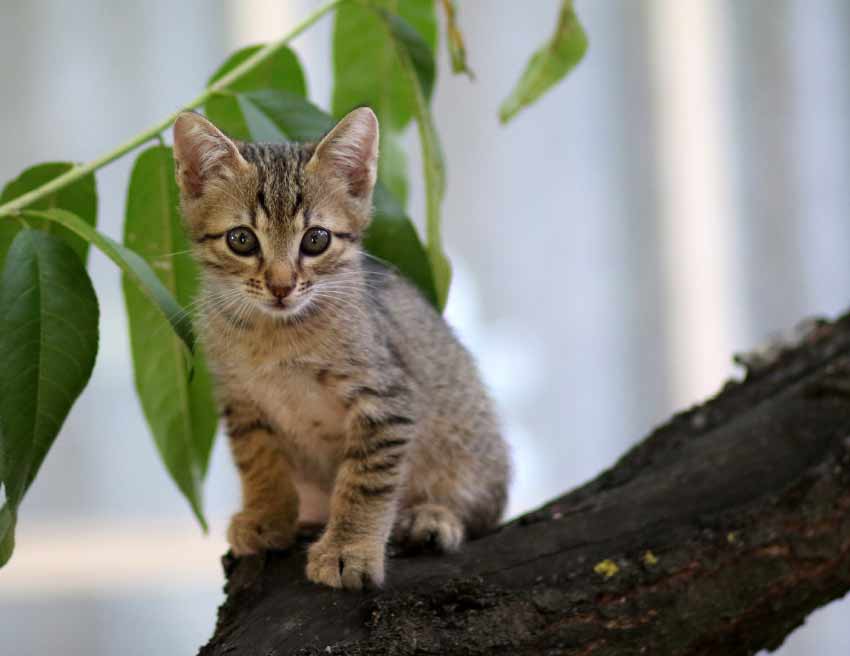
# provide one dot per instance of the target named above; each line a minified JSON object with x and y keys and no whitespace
{"x":279,"y":305}
{"x":283,"y":308}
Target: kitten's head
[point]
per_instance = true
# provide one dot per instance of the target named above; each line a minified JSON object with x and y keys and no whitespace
{"x":270,"y":222}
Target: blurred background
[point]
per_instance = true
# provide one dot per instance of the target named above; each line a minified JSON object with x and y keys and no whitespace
{"x":681,"y":196}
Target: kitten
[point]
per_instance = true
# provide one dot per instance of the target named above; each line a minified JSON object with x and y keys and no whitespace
{"x":347,"y":398}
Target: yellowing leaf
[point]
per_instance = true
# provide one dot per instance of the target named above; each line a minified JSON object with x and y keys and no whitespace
{"x":548,"y":65}
{"x":457,"y":47}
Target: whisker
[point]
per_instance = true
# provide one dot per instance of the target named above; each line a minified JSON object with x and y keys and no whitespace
{"x":341,"y":302}
{"x":175,"y":253}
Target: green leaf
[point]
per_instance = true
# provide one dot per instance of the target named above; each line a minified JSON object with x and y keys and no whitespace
{"x":419,"y":53}
{"x":179,"y":407}
{"x":48,"y":345}
{"x":432,"y":156}
{"x":366,"y":67}
{"x":549,"y":64}
{"x":7,"y":534}
{"x":392,"y":165}
{"x":293,"y":117}
{"x":367,"y":71}
{"x":281,"y":72}
{"x":391,"y":236}
{"x":130,"y":263}
{"x":457,"y":48}
{"x":79,"y":198}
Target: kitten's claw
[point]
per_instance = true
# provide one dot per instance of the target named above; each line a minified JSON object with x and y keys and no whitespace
{"x":351,"y":566}
{"x":429,"y":525}
{"x":251,"y":532}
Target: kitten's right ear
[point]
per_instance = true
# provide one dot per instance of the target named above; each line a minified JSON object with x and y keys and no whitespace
{"x":202,"y":153}
{"x":350,"y":152}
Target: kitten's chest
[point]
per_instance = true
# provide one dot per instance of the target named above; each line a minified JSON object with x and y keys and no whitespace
{"x":299,"y":401}
{"x":295,"y":393}
{"x":307,"y":408}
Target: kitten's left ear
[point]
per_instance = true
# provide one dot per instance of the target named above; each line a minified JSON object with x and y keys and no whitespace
{"x":350,"y":152}
{"x":203,"y":154}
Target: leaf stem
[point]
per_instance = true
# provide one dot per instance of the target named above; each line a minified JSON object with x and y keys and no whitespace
{"x":16,"y":205}
{"x":432,"y":168}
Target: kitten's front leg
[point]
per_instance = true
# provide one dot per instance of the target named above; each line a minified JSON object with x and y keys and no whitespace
{"x":351,"y":552}
{"x":269,"y":515}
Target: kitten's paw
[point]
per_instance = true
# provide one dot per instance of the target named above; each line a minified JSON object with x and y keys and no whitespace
{"x":339,"y":565}
{"x":429,"y":525}
{"x":251,"y":532}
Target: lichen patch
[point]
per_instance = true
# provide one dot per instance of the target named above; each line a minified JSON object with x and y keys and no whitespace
{"x":606,"y":568}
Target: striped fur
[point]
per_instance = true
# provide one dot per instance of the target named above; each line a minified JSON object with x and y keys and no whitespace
{"x":350,"y":402}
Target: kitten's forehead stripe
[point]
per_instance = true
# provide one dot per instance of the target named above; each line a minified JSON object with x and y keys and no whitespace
{"x":261,"y":200}
{"x":280,"y":178}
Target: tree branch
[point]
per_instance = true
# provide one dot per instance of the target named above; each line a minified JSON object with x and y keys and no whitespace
{"x":718,"y":534}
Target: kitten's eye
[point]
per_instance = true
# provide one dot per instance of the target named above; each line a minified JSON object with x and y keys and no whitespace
{"x":242,"y":241}
{"x":315,"y":241}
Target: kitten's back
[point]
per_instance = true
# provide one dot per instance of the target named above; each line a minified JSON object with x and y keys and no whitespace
{"x":460,"y":451}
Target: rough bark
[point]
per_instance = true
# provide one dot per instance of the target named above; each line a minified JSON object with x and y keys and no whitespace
{"x":718,"y":534}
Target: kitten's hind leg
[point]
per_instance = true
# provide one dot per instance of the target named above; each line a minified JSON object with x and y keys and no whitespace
{"x":429,"y":525}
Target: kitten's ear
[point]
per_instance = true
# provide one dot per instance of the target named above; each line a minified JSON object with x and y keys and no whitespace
{"x":202,"y":153}
{"x":350,"y":152}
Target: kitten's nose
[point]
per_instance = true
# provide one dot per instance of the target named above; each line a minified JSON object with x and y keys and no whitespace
{"x":279,"y":291}
{"x":280,"y":280}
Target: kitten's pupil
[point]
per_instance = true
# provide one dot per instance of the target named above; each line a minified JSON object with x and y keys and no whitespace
{"x":315,"y":241}
{"x":242,"y":241}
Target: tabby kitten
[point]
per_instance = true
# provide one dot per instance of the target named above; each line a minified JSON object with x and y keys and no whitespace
{"x":348,"y":400}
